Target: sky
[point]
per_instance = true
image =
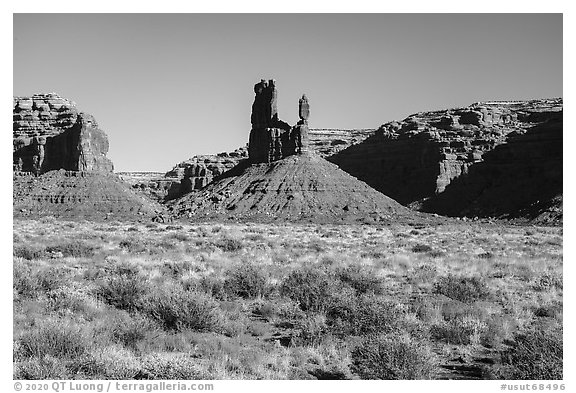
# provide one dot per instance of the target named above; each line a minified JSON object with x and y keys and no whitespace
{"x":166,"y":87}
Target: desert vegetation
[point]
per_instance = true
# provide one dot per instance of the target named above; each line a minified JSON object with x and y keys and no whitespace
{"x":117,"y":300}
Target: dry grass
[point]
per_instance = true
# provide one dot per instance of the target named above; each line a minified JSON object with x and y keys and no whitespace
{"x":253,"y":301}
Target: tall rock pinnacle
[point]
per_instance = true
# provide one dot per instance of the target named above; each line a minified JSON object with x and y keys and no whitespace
{"x":272,"y":139}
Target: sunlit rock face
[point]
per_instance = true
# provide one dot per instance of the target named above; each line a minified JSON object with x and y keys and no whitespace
{"x":49,"y":133}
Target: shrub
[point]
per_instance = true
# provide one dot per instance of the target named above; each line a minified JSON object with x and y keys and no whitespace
{"x":229,"y":244}
{"x":535,"y":354}
{"x":464,"y":289}
{"x":350,"y":315}
{"x":499,"y":329}
{"x":129,"y":330}
{"x":133,"y":246}
{"x":210,"y":285}
{"x":313,"y":289}
{"x":311,"y":330}
{"x":29,"y":283}
{"x":177,"y":309}
{"x":279,"y":309}
{"x":50,"y":279}
{"x":163,"y":245}
{"x":76,"y":248}
{"x":459,"y":331}
{"x":28,"y":252}
{"x":548,"y":310}
{"x":157,"y":366}
{"x":424,"y":274}
{"x":47,"y":367}
{"x":548,"y":281}
{"x":71,"y":299}
{"x":179,"y":236}
{"x":23,"y":283}
{"x":123,"y":291}
{"x":177,"y":268}
{"x":52,"y":338}
{"x":363,"y":280}
{"x":246,"y":281}
{"x":392,"y":357}
{"x":421,"y":248}
{"x":453,"y":309}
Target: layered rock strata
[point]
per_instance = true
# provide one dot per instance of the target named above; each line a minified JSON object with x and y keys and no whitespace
{"x":60,"y":166}
{"x":198,"y":171}
{"x":299,"y":188}
{"x":285,"y":181}
{"x":420,"y":157}
{"x":78,"y":195}
{"x":49,"y":133}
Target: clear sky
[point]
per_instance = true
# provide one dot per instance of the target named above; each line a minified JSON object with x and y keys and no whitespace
{"x":166,"y":87}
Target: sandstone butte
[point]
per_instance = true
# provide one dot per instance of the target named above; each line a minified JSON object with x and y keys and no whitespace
{"x":491,"y":159}
{"x":60,"y":166}
{"x":282,"y":179}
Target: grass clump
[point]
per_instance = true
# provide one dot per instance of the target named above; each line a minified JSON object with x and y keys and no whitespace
{"x":461,"y":288}
{"x":392,"y":357}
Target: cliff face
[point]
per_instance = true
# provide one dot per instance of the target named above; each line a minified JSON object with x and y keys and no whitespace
{"x":421,"y":159}
{"x":272,"y":139}
{"x":196,"y":172}
{"x":282,"y":180}
{"x":49,"y":133}
{"x":60,"y":166}
{"x":521,"y":178}
{"x":490,"y":159}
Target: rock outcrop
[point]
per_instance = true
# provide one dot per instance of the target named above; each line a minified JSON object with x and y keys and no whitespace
{"x":329,"y":141}
{"x":199,"y":171}
{"x":272,"y":139}
{"x":294,"y":184}
{"x":49,"y":133}
{"x":419,"y":158}
{"x":60,"y":165}
{"x":521,"y":178}
{"x":299,"y":188}
{"x":187,"y":176}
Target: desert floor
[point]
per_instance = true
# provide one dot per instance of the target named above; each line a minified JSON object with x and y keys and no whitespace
{"x":118,"y":300}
